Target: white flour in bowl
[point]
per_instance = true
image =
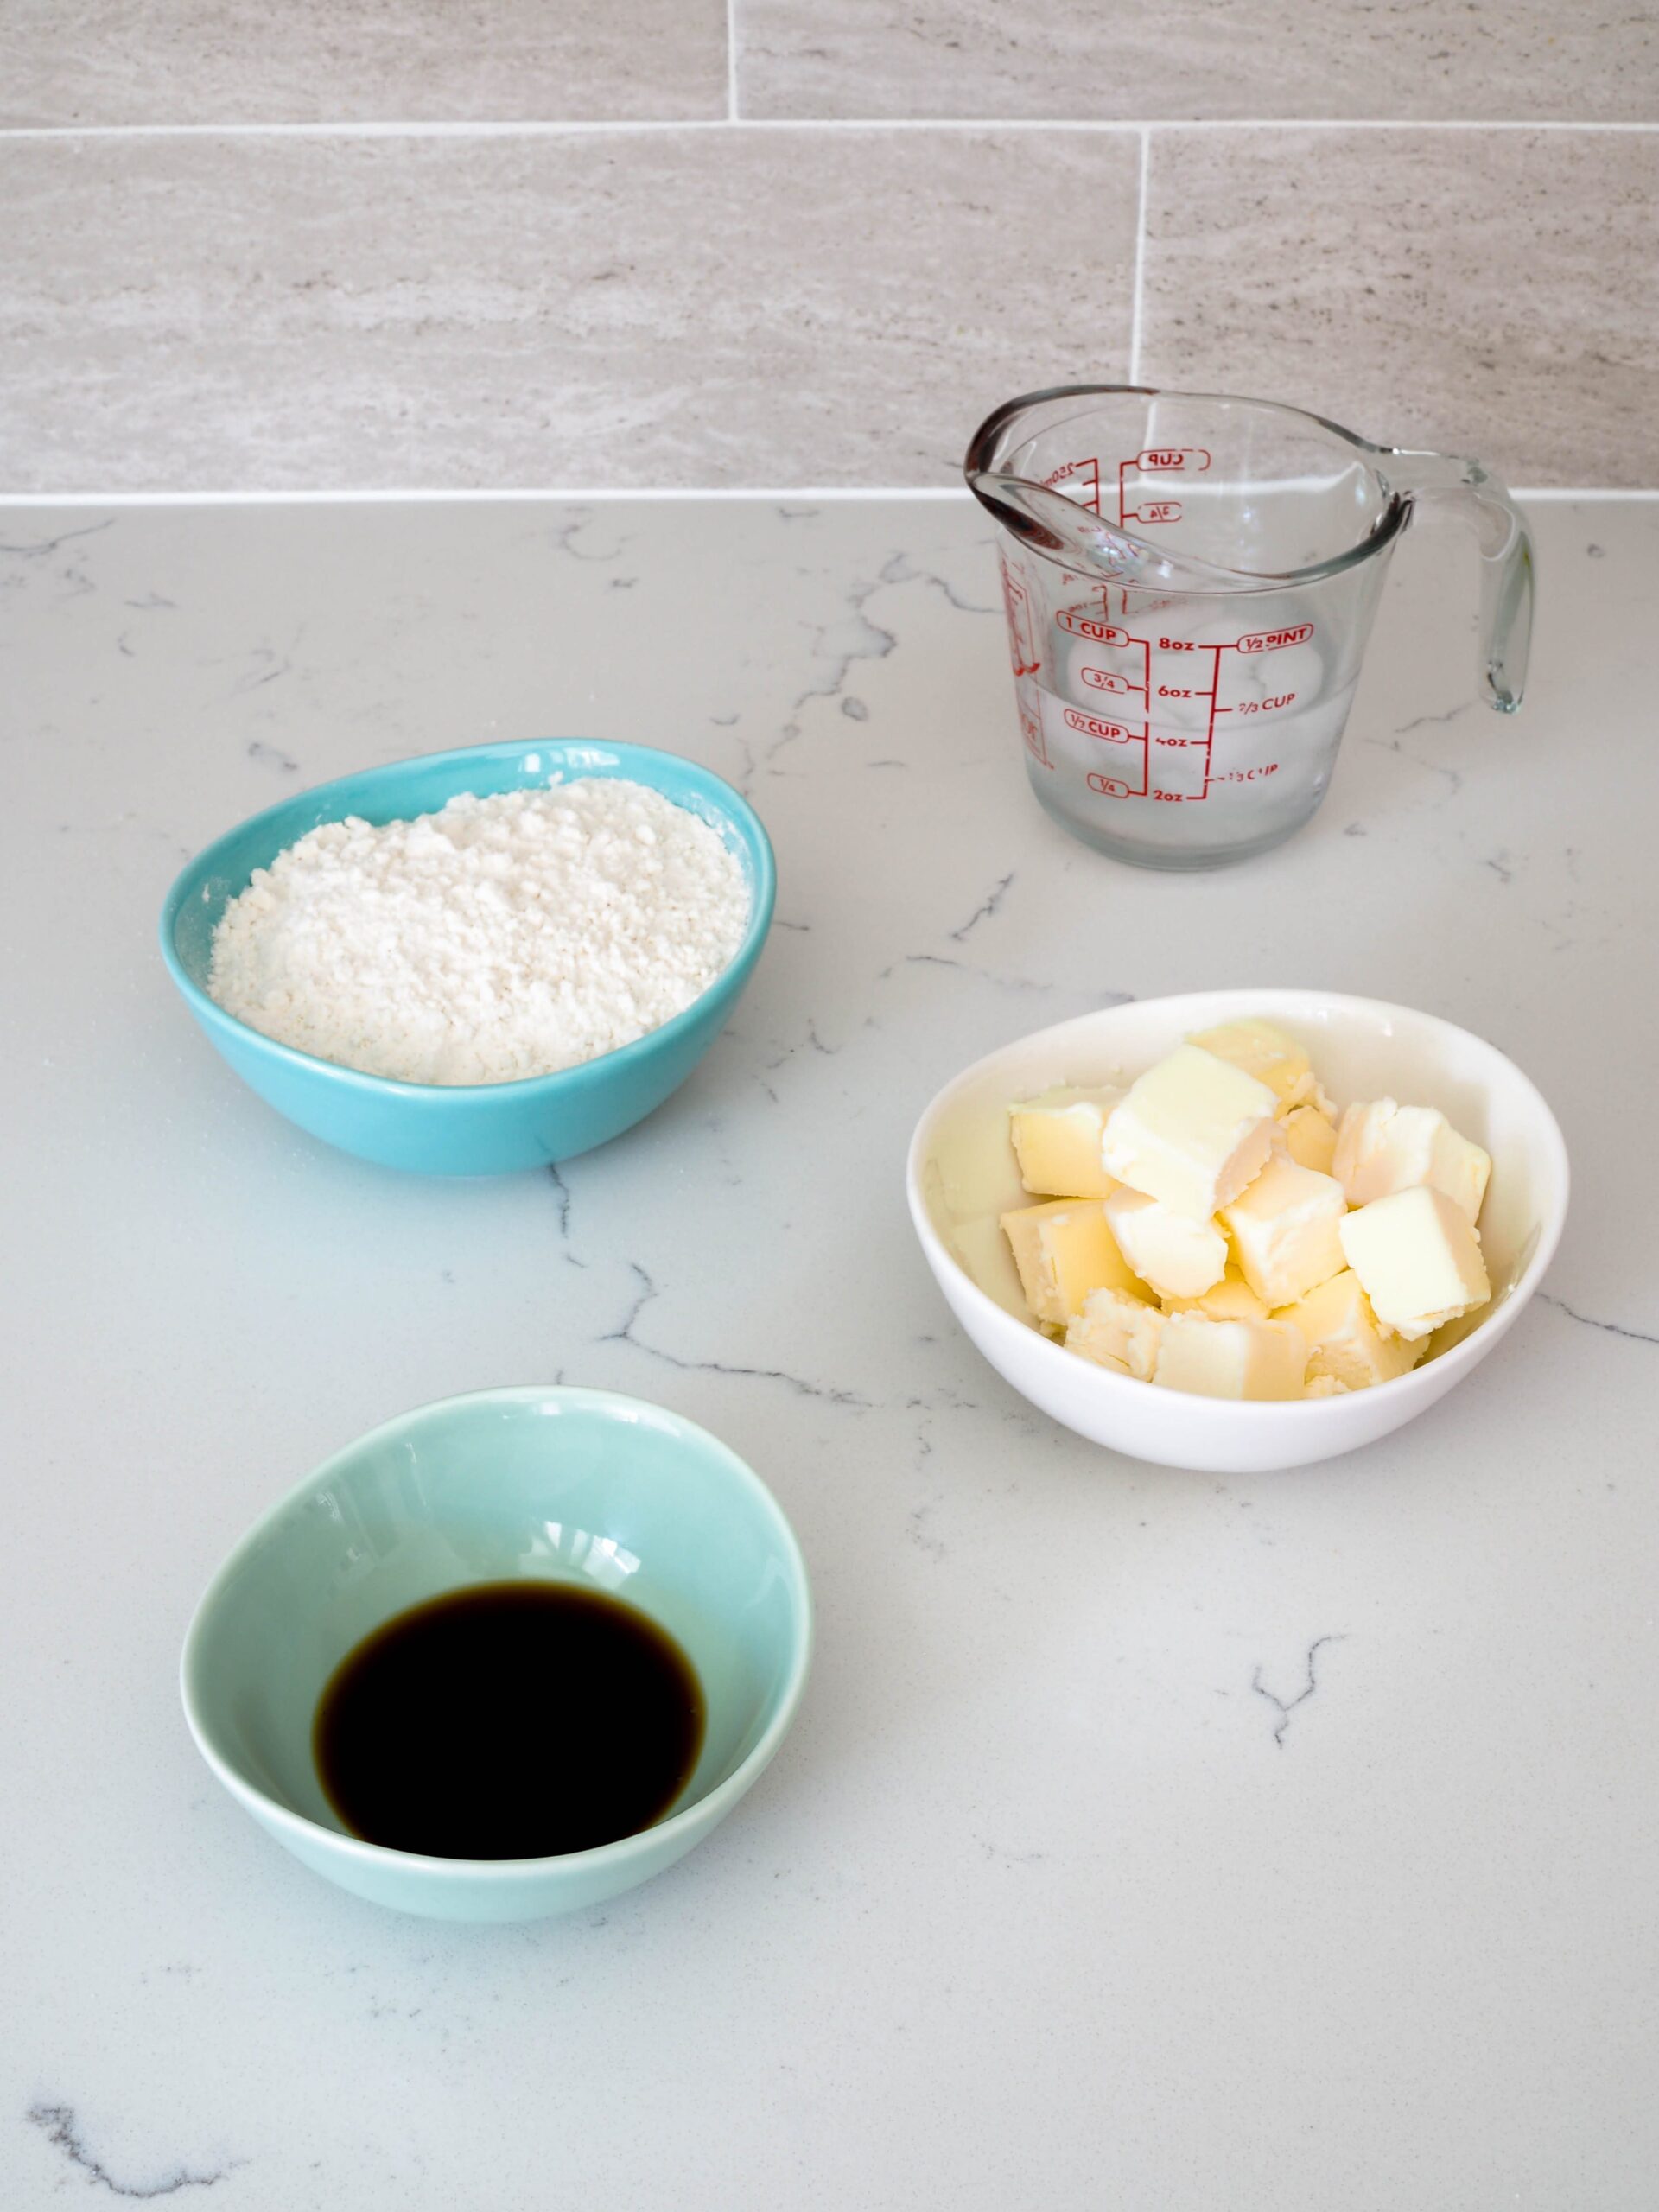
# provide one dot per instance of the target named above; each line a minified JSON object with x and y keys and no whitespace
{"x":500,"y":937}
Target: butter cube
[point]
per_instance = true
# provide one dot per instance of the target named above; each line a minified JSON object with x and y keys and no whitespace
{"x":1383,"y":1147}
{"x":1344,"y":1344}
{"x":1057,"y":1141}
{"x":1418,"y":1256}
{"x":1309,"y":1138}
{"x":1231,"y":1359}
{"x":1284,"y":1230}
{"x":1064,"y":1250}
{"x":1263,"y":1051}
{"x":1192,"y":1132}
{"x":1118,"y":1332}
{"x":1180,"y":1258}
{"x":1231,"y":1300}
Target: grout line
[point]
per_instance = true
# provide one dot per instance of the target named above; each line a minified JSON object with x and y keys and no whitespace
{"x":733,"y":121}
{"x":1139,"y":258}
{"x":731,"y":60}
{"x":824,"y":495}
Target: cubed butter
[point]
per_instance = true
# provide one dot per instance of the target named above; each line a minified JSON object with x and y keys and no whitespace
{"x":1383,"y":1147}
{"x":1057,"y":1141}
{"x":1345,"y":1344}
{"x":1191,"y":1132}
{"x":1179,"y":1257}
{"x":1231,"y":1359}
{"x":1309,"y":1138}
{"x":1263,"y":1051}
{"x":1231,"y":1300}
{"x":1418,"y":1256}
{"x":1117,"y":1331}
{"x":1284,"y":1230}
{"x":1064,"y":1250}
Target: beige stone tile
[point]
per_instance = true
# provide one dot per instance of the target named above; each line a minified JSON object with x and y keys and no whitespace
{"x":660,"y":307}
{"x":216,"y":61}
{"x":1486,"y":291}
{"x":1416,"y":60}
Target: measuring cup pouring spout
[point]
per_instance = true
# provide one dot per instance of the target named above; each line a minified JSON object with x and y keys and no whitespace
{"x":1190,"y":582}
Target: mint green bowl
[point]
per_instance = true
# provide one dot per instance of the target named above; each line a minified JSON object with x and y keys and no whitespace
{"x":487,"y":1128}
{"x":536,"y":1483}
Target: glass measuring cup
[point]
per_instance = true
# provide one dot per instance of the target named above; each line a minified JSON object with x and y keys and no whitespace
{"x":1190,"y":582}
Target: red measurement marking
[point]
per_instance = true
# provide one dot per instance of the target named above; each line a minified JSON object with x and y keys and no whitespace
{"x":1270,"y":641}
{"x":1111,"y":787}
{"x":1022,"y":642}
{"x":1193,"y":459}
{"x":1109,"y":633}
{"x":1210,"y":733}
{"x":1090,"y":626}
{"x":1115,"y":731}
{"x":1080,"y":479}
{"x":1158,"y":461}
{"x":1091,"y":726}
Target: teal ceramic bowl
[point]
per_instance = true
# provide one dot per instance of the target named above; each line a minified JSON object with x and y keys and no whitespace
{"x":471,"y":1128}
{"x":564,"y":1484}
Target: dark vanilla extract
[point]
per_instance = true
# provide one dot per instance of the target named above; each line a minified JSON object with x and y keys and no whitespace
{"x":509,"y":1720}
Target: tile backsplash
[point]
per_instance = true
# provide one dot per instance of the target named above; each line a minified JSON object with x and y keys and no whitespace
{"x":643,"y":243}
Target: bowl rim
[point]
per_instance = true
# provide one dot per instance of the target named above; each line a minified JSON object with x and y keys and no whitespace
{"x":729,"y":799}
{"x":1238,"y":1003}
{"x":702,"y":1812}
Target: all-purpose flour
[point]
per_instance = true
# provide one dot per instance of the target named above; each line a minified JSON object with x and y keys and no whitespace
{"x":500,"y":937}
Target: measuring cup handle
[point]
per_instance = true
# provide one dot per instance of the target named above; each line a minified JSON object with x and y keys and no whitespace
{"x":1506,"y":561}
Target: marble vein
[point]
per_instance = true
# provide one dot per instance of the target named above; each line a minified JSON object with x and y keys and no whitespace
{"x":900,"y":570}
{"x":565,"y":536}
{"x":562,"y":1190}
{"x":1426,"y":722}
{"x":1453,"y":775}
{"x":63,"y":2129}
{"x":1285,"y":1706}
{"x":37,"y":549}
{"x":986,"y":908}
{"x":562,"y":1194}
{"x":1590,"y":1321}
{"x":269,"y":664}
{"x":272,"y":756}
{"x":1002,"y":1856}
{"x":650,"y":1290}
{"x":810,"y":1043}
{"x":844,"y":644}
{"x":1025,"y":985}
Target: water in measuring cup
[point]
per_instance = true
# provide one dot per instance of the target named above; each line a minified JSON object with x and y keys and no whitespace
{"x":1179,"y":744}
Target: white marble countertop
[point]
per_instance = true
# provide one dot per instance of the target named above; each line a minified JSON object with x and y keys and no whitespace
{"x":1146,"y":1840}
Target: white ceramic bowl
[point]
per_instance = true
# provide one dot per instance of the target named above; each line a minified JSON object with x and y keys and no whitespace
{"x":961,"y":1175}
